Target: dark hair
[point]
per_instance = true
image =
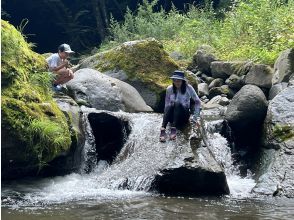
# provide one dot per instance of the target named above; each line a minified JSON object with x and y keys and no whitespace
{"x":183,"y":87}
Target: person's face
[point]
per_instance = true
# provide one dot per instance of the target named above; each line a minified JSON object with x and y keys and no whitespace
{"x":63,"y":55}
{"x":177,"y":83}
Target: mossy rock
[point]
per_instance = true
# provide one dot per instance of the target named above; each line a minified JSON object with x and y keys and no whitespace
{"x":144,"y":64}
{"x":34,"y":130}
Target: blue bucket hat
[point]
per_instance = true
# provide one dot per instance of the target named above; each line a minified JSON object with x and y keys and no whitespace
{"x":178,"y":75}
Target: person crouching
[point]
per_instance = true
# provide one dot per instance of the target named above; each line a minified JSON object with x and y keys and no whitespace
{"x":181,"y":102}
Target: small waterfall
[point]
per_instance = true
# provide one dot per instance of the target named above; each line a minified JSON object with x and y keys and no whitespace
{"x":239,"y":187}
{"x":89,"y":160}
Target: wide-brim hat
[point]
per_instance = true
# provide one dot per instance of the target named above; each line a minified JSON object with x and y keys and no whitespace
{"x":65,"y":48}
{"x":178,"y":75}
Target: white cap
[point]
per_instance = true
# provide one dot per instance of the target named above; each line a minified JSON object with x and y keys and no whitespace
{"x":65,"y":48}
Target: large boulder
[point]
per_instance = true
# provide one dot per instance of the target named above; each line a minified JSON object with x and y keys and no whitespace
{"x":284,"y":67}
{"x":260,"y":75}
{"x":222,"y":69}
{"x":246,"y":113}
{"x":143,"y":64}
{"x":276,"y":173}
{"x":94,"y":89}
{"x":34,"y":130}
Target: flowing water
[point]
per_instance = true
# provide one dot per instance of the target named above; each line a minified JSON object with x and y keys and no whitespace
{"x":102,"y":194}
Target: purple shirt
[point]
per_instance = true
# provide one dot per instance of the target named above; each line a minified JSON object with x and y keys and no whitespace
{"x":183,"y":99}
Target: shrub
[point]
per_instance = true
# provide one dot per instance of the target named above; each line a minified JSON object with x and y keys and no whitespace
{"x":256,"y":30}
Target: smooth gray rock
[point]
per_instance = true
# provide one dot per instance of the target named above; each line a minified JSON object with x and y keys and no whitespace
{"x":277,"y":159}
{"x":219,"y":100}
{"x":276,"y":89}
{"x":203,"y":89}
{"x":97,"y":90}
{"x":260,"y":75}
{"x":246,"y":111}
{"x":284,"y":67}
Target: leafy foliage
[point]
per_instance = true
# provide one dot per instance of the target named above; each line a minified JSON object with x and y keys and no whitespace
{"x":256,"y":30}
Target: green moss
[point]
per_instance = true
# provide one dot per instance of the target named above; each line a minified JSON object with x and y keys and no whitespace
{"x":29,"y":113}
{"x":144,"y":60}
{"x":282,"y":133}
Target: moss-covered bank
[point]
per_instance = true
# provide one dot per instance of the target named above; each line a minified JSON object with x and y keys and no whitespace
{"x":34,"y":130}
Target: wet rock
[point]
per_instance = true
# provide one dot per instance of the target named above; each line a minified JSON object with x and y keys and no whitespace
{"x":276,"y":174}
{"x":103,"y":92}
{"x":260,"y":75}
{"x":194,"y":177}
{"x":180,"y":167}
{"x":284,"y":67}
{"x":246,"y":112}
{"x":71,"y":160}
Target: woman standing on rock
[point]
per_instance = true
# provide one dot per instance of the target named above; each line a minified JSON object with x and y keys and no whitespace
{"x":181,"y":101}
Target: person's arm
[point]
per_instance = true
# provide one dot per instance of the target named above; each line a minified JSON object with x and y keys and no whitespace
{"x":197,"y":103}
{"x":167,"y":98}
{"x":64,"y":64}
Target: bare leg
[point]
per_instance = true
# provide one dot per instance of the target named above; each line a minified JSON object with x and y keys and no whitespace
{"x":63,"y":76}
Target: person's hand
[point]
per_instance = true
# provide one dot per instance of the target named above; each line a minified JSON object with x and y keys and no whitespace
{"x":65,"y":63}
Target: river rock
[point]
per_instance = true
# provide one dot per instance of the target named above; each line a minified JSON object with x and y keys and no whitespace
{"x":284,"y":67}
{"x":234,"y":82}
{"x":94,"y":89}
{"x":71,"y":160}
{"x":203,"y":89}
{"x":203,"y":58}
{"x":260,"y":75}
{"x":219,"y":100}
{"x":222,"y":69}
{"x":276,"y":173}
{"x":222,"y":90}
{"x":276,"y":89}
{"x":216,"y":83}
{"x":246,"y":112}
